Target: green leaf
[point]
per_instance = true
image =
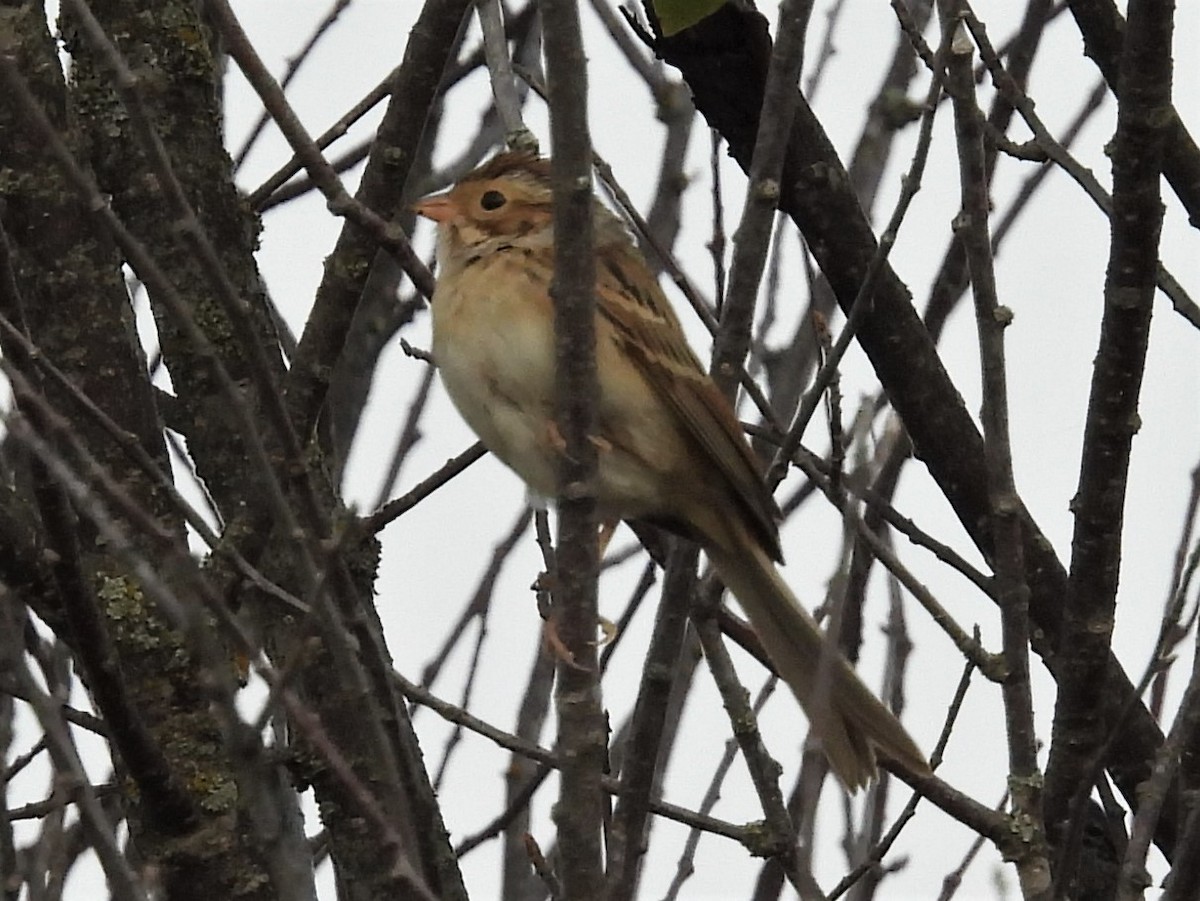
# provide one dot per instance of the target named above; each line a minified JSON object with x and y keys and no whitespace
{"x":676,"y":15}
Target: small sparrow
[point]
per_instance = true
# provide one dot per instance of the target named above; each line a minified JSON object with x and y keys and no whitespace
{"x":671,"y":450}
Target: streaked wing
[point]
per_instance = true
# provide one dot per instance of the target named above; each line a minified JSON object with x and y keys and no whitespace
{"x":630,"y":299}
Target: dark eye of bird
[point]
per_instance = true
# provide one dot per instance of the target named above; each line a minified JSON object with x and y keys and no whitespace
{"x":492,"y":200}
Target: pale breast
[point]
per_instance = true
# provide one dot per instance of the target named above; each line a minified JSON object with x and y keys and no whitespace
{"x":493,"y":341}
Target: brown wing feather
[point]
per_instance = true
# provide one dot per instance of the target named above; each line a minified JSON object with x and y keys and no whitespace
{"x":630,"y":299}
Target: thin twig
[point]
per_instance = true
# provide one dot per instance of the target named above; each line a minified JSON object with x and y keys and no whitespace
{"x":685,"y":865}
{"x":875,"y":856}
{"x":393,"y":510}
{"x":293,"y":67}
{"x":552,"y":760}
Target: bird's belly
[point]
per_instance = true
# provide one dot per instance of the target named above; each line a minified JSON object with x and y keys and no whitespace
{"x":497,"y":364}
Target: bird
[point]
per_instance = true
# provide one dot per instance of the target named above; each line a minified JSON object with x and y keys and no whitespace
{"x":670,"y":449}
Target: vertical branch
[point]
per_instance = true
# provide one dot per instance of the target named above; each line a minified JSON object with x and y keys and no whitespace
{"x":643,"y":750}
{"x":1145,"y":119}
{"x":762,"y":195}
{"x":504,"y":84}
{"x":1008,"y":557}
{"x":951,"y":281}
{"x":582,"y":734}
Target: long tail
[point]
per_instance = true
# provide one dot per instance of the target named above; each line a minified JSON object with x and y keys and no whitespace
{"x":850,"y":721}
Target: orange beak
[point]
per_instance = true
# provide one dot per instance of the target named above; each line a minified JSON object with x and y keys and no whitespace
{"x":439,"y":208}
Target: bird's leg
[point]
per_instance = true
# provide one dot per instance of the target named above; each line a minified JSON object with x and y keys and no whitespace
{"x":608,"y":526}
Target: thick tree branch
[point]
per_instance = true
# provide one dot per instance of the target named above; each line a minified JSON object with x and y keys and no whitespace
{"x":1144,"y":126}
{"x":582,"y":738}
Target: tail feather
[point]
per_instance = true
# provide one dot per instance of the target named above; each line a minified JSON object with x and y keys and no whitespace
{"x":850,"y":721}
